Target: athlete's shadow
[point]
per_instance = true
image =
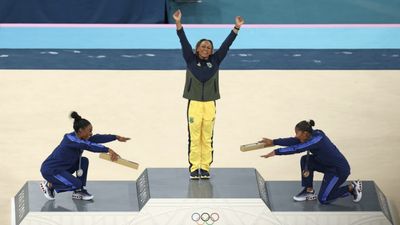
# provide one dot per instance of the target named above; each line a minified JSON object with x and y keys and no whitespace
{"x":51,"y":206}
{"x":80,"y":206}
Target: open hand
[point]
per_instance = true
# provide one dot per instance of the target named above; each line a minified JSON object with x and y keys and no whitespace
{"x":269,"y":155}
{"x":122,"y":139}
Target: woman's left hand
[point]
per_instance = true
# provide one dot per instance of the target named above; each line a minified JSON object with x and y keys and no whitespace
{"x":269,"y":155}
{"x":239,"y":21}
{"x":122,"y":139}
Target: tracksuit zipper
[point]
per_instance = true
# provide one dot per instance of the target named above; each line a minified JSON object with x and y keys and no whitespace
{"x":202,"y":92}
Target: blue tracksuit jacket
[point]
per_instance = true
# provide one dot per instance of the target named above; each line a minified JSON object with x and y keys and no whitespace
{"x":320,"y":146}
{"x":70,"y":149}
{"x":203,"y":72}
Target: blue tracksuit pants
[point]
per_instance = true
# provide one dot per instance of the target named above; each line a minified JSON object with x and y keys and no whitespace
{"x":65,"y":181}
{"x":331,"y":188}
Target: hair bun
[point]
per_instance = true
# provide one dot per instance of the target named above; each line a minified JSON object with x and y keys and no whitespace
{"x":312,"y":123}
{"x":75,"y":116}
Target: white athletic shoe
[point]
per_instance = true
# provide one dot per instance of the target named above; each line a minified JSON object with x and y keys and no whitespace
{"x":357,"y":190}
{"x":47,"y":191}
{"x":305,"y":196}
{"x":82,"y":194}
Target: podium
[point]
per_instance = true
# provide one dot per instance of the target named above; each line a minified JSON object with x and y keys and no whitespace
{"x":233,"y":196}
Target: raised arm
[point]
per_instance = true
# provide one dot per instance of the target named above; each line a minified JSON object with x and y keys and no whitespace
{"x":186,"y":47}
{"x":177,"y":17}
{"x":223,"y":50}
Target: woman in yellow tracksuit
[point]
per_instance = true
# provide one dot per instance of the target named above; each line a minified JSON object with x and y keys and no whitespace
{"x":202,"y":90}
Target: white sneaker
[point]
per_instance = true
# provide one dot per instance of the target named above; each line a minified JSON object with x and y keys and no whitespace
{"x":357,"y":190}
{"x":305,"y":196}
{"x":47,"y":191}
{"x":82,"y":194}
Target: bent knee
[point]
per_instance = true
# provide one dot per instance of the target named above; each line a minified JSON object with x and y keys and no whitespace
{"x":323,"y":200}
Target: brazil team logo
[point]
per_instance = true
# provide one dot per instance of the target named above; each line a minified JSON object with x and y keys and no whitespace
{"x":191,"y":120}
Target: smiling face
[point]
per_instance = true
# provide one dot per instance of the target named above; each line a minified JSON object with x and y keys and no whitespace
{"x":204,"y":49}
{"x":86,"y":132}
{"x":303,"y":136}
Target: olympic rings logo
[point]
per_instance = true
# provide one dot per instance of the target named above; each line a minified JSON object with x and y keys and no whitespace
{"x":205,"y":218}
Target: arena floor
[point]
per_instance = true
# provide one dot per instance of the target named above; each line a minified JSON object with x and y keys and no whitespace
{"x":357,"y":109}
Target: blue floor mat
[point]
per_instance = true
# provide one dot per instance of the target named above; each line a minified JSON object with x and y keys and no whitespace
{"x":237,"y":59}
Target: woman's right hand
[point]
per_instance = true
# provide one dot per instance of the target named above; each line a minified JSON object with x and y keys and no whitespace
{"x":177,"y":15}
{"x":114,"y":155}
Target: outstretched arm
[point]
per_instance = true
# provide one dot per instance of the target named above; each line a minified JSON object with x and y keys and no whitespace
{"x":286,"y":141}
{"x":301,"y":147}
{"x":85,"y":144}
{"x":279,"y":141}
{"x":223,"y":50}
{"x":186,"y":47}
{"x":102,"y":138}
{"x":268,"y":143}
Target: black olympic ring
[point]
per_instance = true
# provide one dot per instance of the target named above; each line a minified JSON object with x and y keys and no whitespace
{"x":204,"y":218}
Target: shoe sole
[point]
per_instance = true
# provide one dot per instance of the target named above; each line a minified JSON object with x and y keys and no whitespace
{"x":299,"y":200}
{"x":195,"y":178}
{"x":45,"y":192}
{"x":358,"y":188}
{"x":308,"y":198}
{"x":80,"y":198}
{"x":359,"y":198}
{"x":205,"y":177}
